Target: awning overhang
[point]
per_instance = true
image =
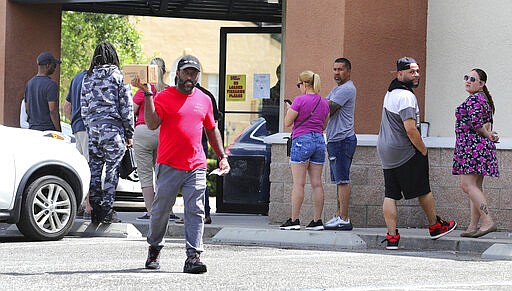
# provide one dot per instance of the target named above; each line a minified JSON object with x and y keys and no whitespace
{"x":261,"y":11}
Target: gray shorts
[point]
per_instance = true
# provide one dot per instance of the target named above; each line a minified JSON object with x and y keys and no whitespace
{"x":145,"y":144}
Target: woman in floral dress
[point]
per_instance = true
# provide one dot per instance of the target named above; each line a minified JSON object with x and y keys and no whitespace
{"x":475,"y":150}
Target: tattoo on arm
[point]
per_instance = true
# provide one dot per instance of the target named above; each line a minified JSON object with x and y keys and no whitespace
{"x":484,"y":209}
{"x":333,"y":107}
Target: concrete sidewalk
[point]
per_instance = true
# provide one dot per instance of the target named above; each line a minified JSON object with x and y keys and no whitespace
{"x":249,"y":229}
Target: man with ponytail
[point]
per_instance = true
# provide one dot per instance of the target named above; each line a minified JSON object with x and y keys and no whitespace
{"x":475,"y":150}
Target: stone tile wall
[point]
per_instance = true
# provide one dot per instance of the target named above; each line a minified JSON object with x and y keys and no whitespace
{"x":368,"y":191}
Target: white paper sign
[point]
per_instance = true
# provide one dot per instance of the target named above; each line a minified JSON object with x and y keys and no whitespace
{"x":262,"y":86}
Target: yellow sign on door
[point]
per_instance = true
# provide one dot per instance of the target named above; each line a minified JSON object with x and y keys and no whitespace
{"x":235,"y":87}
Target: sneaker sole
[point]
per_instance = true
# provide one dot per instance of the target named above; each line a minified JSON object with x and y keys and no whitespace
{"x":321,"y":227}
{"x":346,"y":228}
{"x":293,"y":227}
{"x":444,"y":233}
{"x":196,"y":270}
{"x":392,"y":248}
{"x":152,"y":267}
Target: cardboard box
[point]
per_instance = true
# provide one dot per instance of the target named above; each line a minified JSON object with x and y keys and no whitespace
{"x":146,"y":73}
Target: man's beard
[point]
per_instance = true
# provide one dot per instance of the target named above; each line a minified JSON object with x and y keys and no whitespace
{"x":186,"y":86}
{"x":411,"y":84}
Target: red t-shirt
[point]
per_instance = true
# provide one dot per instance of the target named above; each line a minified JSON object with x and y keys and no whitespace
{"x":183,"y":118}
{"x":138,"y":99}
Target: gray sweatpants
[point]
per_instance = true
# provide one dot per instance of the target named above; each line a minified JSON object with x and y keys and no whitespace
{"x":168,"y":183}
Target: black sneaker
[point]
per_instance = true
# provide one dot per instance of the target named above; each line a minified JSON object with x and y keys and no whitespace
{"x":111,"y":217}
{"x":207,"y":220}
{"x":392,"y":241}
{"x":144,"y":217}
{"x":291,"y":225}
{"x":173,"y":216}
{"x":153,"y":260}
{"x":193,"y":265}
{"x":97,"y":213}
{"x":315,"y":225}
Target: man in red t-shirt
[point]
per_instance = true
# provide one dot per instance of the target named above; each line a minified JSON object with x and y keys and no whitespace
{"x":181,"y":112}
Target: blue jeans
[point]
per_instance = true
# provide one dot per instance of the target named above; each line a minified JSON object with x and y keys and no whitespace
{"x":340,"y":159}
{"x":309,"y":147}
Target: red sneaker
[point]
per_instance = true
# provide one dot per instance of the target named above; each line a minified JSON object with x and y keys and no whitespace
{"x":392,"y":241}
{"x":441,"y":228}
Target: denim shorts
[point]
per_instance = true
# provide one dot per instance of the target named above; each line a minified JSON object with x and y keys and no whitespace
{"x":309,"y":147}
{"x":340,"y":159}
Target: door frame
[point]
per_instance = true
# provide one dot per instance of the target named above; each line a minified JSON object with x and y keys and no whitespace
{"x":224,"y":31}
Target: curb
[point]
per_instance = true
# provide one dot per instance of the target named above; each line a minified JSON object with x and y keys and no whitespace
{"x":498,"y":252}
{"x":290,"y":239}
{"x":118,"y":230}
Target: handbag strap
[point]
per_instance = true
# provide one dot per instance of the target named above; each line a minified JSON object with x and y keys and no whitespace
{"x":309,"y":116}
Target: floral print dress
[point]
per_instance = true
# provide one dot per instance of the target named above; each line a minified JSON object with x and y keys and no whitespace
{"x":474,"y":154}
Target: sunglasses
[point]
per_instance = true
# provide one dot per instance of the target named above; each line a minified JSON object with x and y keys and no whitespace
{"x":471,"y":79}
{"x":299,"y":83}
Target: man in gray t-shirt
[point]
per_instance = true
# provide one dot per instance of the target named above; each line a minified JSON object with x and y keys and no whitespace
{"x":341,"y":140}
{"x":404,"y":155}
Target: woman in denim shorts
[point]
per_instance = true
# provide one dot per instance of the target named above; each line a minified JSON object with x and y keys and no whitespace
{"x":308,"y":114}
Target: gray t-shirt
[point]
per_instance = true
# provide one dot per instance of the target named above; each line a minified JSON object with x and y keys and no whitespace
{"x":341,"y":123}
{"x":393,"y":144}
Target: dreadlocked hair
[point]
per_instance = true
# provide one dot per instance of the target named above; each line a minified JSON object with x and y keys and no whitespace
{"x":483,"y":77}
{"x":104,"y":54}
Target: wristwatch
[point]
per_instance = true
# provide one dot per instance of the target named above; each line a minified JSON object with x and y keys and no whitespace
{"x":148,"y":94}
{"x":224,"y":156}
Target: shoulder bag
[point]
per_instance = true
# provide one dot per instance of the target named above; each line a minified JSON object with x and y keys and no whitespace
{"x":289,"y":141}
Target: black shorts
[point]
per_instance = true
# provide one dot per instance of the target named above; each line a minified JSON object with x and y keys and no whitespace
{"x":410,"y":179}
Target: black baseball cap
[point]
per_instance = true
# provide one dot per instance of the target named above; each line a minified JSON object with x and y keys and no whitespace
{"x":406,"y":63}
{"x":46,"y":58}
{"x":189,"y":62}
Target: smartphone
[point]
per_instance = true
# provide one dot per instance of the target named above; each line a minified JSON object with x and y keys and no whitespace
{"x":288,"y":101}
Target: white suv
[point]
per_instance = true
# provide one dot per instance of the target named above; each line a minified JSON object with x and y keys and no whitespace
{"x":42,"y":180}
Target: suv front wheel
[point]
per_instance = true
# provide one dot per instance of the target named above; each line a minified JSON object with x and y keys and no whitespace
{"x":48,"y":210}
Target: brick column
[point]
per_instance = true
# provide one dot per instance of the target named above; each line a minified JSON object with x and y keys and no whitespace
{"x":25,"y":31}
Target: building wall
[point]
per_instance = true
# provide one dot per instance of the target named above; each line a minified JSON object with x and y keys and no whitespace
{"x":25,"y":32}
{"x":309,"y":45}
{"x":368,"y":191}
{"x":463,"y":35}
{"x":247,"y":54}
{"x":172,"y":38}
{"x":371,"y":34}
{"x":377,"y":33}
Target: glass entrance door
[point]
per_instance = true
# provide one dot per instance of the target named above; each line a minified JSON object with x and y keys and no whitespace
{"x":249,"y":100}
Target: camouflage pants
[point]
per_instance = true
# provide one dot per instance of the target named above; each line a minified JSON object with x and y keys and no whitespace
{"x":106,"y":149}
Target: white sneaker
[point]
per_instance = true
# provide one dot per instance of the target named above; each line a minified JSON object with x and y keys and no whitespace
{"x":338,"y":224}
{"x":332,"y":220}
